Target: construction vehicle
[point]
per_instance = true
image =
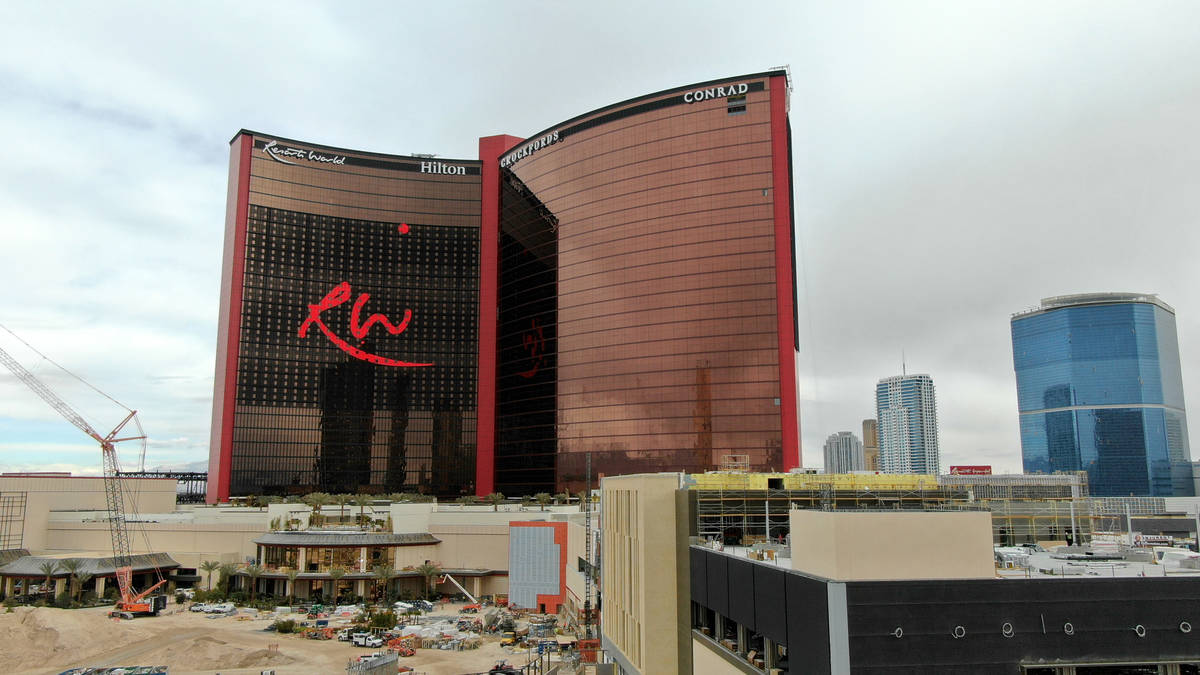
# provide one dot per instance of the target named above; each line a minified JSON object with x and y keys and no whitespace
{"x":447,"y":577}
{"x":366,"y":640}
{"x":131,"y":601}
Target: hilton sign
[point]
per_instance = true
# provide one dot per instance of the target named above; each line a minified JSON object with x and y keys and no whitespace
{"x":439,"y":167}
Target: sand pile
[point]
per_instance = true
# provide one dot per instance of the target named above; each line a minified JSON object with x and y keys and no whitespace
{"x":209,"y":653}
{"x":36,"y":636}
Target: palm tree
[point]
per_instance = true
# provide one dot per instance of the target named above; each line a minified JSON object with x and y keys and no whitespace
{"x":254,"y":572}
{"x":342,"y":500}
{"x":429,"y":571}
{"x":81,"y":578}
{"x":315,"y":500}
{"x":362,"y":502}
{"x":48,"y":567}
{"x":291,"y":575}
{"x":562,"y":498}
{"x":336,"y":574}
{"x":210,"y":566}
{"x":495,"y":499}
{"x":384,"y":574}
{"x":466,"y":500}
{"x":226,"y":571}
{"x":71,"y":566}
{"x":583,"y":498}
{"x":543,"y":498}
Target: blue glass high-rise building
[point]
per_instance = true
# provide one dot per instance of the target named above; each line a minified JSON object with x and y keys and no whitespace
{"x":1099,"y":390}
{"x":908,"y":433}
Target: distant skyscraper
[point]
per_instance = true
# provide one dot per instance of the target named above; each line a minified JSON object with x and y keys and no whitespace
{"x":843,"y":453}
{"x":1099,"y":390}
{"x":870,"y":445}
{"x":907,"y":415}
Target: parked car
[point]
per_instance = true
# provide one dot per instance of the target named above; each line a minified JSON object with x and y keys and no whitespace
{"x":221,"y":608}
{"x":199,"y":607}
{"x":424,"y":605}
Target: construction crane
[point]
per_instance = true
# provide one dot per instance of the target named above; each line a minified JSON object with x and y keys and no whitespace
{"x":447,"y":577}
{"x":131,"y":602}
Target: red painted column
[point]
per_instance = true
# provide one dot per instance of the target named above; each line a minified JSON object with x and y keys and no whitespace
{"x":784,"y":274}
{"x":490,"y":149}
{"x":220,"y":452}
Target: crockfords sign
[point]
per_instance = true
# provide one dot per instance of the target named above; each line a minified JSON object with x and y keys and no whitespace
{"x":715,"y":92}
{"x":439,"y":167}
{"x":282,"y":153}
{"x":529,"y":148}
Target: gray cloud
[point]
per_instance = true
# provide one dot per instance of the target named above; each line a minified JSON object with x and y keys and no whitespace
{"x":954,"y":163}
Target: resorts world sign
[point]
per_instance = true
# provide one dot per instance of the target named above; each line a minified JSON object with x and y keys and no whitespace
{"x":281,"y":153}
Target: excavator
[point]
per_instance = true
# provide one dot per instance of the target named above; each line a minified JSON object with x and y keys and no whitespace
{"x":131,"y":602}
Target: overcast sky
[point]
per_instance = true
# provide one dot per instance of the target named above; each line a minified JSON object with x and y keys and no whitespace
{"x":954,"y":163}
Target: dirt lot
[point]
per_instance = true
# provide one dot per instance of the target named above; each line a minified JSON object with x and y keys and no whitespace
{"x":48,"y":641}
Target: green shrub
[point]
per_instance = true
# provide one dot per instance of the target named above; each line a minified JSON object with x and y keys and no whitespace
{"x":284,"y":626}
{"x":110,"y":593}
{"x":62,"y":600}
{"x":383,"y":620}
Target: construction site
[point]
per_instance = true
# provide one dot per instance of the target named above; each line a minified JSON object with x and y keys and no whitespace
{"x":124,"y":572}
{"x":291,"y":577}
{"x":744,"y":508}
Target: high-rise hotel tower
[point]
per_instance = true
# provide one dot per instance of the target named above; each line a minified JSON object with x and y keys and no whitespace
{"x":618,"y":286}
{"x":906,"y":410}
{"x":1099,"y":389}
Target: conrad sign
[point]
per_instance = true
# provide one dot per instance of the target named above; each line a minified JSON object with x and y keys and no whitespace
{"x":715,"y":92}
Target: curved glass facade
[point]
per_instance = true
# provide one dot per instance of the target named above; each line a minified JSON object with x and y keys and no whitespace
{"x":639,"y":303}
{"x":1099,"y":389}
{"x":619,"y":287}
{"x":347,"y":357}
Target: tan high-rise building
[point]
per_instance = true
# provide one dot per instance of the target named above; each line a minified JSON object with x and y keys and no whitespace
{"x":871,"y":445}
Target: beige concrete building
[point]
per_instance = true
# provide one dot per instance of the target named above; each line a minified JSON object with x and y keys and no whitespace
{"x":62,"y":517}
{"x":646,"y":616}
{"x":648,"y":608}
{"x":878,"y":545}
{"x":31,"y":499}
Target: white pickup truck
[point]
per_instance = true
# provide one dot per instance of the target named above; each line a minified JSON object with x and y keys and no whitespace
{"x":366,"y":640}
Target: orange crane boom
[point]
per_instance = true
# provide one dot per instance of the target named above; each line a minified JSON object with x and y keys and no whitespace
{"x":130,"y":601}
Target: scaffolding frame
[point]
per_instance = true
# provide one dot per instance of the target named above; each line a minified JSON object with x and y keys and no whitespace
{"x":12,"y":519}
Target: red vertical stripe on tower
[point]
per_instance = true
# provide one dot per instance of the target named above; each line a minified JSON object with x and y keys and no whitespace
{"x":229,"y":332}
{"x":784,"y":274}
{"x":490,"y":148}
